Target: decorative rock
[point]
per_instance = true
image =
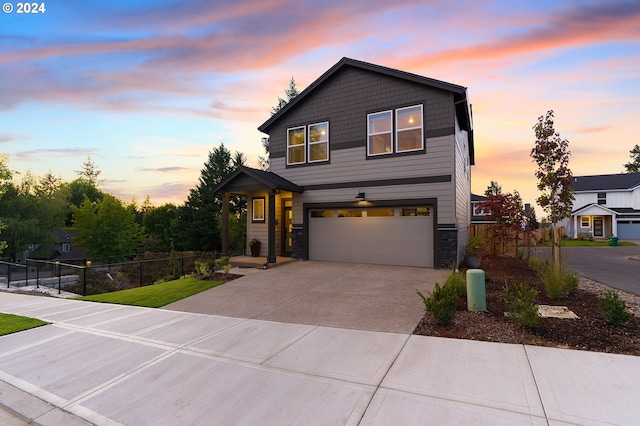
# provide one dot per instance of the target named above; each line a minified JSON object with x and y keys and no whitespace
{"x":547,"y":311}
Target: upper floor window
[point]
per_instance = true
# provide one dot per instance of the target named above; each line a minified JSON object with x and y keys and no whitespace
{"x":380,"y":137}
{"x":602,"y":198}
{"x":308,"y":143}
{"x":479,"y":210}
{"x":66,"y":247}
{"x":296,"y":148}
{"x":319,"y":142}
{"x":408,"y":131}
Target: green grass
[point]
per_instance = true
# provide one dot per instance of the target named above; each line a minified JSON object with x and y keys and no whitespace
{"x":156,"y":295}
{"x":13,"y":323}
{"x":587,"y":243}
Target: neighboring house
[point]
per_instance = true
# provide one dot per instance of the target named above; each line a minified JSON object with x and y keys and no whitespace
{"x":368,"y":164}
{"x":480,"y":214}
{"x":61,"y":249}
{"x":606,"y":205}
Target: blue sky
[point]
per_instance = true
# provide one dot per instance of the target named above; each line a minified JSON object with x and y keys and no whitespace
{"x":148,"y":88}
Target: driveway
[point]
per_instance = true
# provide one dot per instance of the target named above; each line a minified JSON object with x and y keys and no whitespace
{"x":345,"y":295}
{"x":617,"y":267}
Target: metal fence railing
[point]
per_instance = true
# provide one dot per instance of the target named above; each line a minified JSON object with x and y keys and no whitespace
{"x":82,"y":276}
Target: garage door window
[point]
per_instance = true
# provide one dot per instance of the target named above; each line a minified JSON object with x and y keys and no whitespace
{"x":416,"y":211}
{"x":349,"y":213}
{"x":380,"y":212}
{"x":321,"y":213}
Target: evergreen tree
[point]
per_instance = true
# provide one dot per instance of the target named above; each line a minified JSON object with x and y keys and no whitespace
{"x":291,"y":92}
{"x":634,"y":165}
{"x":493,"y":189}
{"x":89,"y":171}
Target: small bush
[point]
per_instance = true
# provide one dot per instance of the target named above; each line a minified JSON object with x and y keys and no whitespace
{"x":441,"y":303}
{"x":613,"y":309}
{"x":202,"y":267}
{"x":520,"y":302}
{"x":457,"y":281}
{"x":558,"y":281}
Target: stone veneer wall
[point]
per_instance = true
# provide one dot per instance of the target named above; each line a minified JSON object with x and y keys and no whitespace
{"x":446,"y":248}
{"x":297,"y":243}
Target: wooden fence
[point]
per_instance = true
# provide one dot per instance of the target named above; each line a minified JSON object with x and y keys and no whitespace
{"x":513,"y":241}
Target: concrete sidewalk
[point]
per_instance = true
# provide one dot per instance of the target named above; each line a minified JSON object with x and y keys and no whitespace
{"x":109,"y":365}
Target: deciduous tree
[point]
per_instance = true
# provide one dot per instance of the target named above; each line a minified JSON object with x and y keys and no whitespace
{"x":551,"y":154}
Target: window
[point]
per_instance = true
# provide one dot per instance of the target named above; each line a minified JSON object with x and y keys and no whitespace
{"x":349,"y":213}
{"x":380,"y":212}
{"x":258,"y":210}
{"x":66,"y":247}
{"x":379,"y":131}
{"x":296,"y":148}
{"x":416,"y":211}
{"x":32,"y":247}
{"x":409,"y":129}
{"x":585,"y":221}
{"x":321,"y":213}
{"x":319,"y":142}
{"x":481,"y":211}
{"x":602,"y":198}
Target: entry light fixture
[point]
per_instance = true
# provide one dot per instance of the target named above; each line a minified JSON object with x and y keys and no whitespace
{"x":360,"y":196}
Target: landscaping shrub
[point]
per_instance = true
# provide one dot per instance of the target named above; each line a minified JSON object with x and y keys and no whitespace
{"x":520,"y":303}
{"x":613,"y":308}
{"x":457,"y":281}
{"x":558,"y":281}
{"x":441,"y":303}
{"x":202,"y":267}
{"x":224,"y":264}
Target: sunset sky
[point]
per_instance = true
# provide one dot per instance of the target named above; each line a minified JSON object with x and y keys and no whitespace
{"x":148,"y":88}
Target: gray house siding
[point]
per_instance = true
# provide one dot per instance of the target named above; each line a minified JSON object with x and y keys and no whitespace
{"x":346,"y":99}
{"x":439,"y":173}
{"x":463,"y":189}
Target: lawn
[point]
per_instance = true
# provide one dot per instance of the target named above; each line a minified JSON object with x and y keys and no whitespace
{"x":13,"y":323}
{"x":587,"y":243}
{"x":156,"y":295}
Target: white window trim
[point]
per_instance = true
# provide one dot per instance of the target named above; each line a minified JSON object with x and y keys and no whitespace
{"x":309,"y":143}
{"x":588,"y":221}
{"x":66,"y":247}
{"x":421,"y":127}
{"x":369,"y":133}
{"x":304,"y":145}
{"x":258,"y":209}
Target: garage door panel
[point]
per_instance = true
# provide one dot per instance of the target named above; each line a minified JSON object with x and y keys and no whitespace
{"x":390,"y":240}
{"x":629,"y":231}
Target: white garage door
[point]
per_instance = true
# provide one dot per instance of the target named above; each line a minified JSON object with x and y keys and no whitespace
{"x":385,"y":236}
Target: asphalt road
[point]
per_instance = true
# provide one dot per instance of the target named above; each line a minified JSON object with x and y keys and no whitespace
{"x":611,"y":266}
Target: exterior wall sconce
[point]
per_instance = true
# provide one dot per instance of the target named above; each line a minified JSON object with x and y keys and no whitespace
{"x":360,"y":196}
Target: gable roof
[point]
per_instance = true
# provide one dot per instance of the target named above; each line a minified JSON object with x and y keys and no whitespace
{"x":593,"y":206}
{"x":606,"y":182}
{"x":247,"y":179}
{"x":477,"y":198}
{"x":463,"y":108}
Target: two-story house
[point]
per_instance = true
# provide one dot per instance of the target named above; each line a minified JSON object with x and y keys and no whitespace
{"x":606,"y":205}
{"x":368,"y":164}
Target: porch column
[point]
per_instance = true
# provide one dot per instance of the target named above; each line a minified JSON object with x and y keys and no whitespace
{"x":614,"y":225}
{"x":271,"y":235}
{"x":225,"y":224}
{"x":575,"y":226}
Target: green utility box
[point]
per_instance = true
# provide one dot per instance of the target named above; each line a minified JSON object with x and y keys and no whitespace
{"x":613,"y":241}
{"x":476,"y":296}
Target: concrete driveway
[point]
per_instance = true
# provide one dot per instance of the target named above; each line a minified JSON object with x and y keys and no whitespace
{"x":345,"y":295}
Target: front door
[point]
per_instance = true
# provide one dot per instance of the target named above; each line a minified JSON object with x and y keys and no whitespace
{"x":287,"y":228}
{"x":598,"y":229}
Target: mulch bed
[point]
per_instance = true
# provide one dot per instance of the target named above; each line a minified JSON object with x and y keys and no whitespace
{"x":590,"y":332}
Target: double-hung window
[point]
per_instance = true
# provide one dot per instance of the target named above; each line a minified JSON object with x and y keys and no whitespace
{"x":602,"y":198}
{"x":395,"y":131}
{"x":380,"y":133}
{"x":319,"y":142}
{"x":296,"y":145}
{"x":409,"y":129}
{"x":308,"y":144}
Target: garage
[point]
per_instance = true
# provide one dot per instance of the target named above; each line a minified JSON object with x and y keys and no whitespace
{"x":379,"y":235}
{"x":629,"y":229}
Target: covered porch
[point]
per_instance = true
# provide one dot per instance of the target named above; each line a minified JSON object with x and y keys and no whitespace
{"x":268,"y":208}
{"x":594,"y":220}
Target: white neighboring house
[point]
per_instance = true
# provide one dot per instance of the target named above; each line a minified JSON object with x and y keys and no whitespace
{"x":606,"y":205}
